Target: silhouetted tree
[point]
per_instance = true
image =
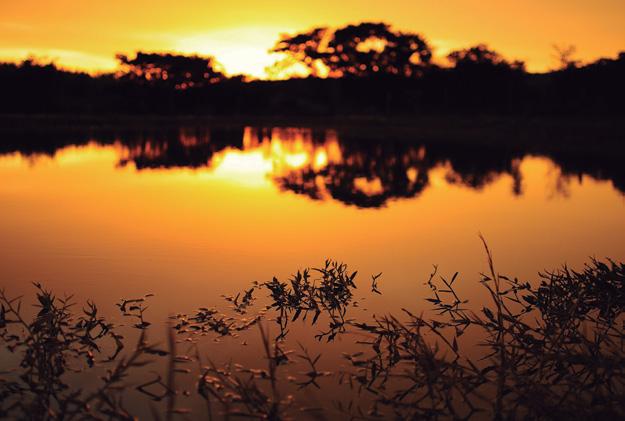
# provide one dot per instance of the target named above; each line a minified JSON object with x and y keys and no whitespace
{"x":373,"y":70}
{"x":482,"y":79}
{"x":305,"y":48}
{"x":564,"y":56}
{"x":480,"y":57}
{"x":364,"y":49}
{"x":178,"y":71}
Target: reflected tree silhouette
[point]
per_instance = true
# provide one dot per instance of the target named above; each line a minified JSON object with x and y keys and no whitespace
{"x":189,"y":147}
{"x":475,"y":167}
{"x":370,"y":175}
{"x":323,"y":164}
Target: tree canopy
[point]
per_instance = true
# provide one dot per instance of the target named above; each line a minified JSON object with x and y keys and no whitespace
{"x":178,"y":71}
{"x":481,"y":57}
{"x":361,"y":50}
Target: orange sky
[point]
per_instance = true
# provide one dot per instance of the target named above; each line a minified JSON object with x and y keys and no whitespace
{"x":87,"y":34}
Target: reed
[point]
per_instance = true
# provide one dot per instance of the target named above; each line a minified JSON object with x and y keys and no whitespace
{"x":549,"y":350}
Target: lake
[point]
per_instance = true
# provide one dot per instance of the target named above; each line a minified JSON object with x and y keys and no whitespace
{"x":196,"y":212}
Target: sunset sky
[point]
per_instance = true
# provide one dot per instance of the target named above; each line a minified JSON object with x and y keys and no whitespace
{"x":86,"y":34}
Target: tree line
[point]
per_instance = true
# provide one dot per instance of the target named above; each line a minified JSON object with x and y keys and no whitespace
{"x":366,"y":68}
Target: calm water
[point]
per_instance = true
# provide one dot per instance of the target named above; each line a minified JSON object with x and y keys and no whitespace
{"x":193,"y":213}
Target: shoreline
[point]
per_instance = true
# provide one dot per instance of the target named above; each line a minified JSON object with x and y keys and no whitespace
{"x":591,"y":133}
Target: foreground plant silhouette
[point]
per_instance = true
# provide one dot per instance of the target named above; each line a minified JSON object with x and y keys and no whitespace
{"x":554,"y":351}
{"x":54,"y":345}
{"x":550,"y":351}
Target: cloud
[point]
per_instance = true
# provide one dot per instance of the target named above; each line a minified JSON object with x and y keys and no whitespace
{"x":70,"y":59}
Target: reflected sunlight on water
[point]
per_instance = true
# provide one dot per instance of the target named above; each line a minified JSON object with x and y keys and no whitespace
{"x":192,"y":216}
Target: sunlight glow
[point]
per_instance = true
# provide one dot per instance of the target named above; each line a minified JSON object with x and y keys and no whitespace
{"x":240,"y":50}
{"x":369,"y":187}
{"x":235,"y":163}
{"x":87,"y":35}
{"x":274,"y":154}
{"x":69,"y":59}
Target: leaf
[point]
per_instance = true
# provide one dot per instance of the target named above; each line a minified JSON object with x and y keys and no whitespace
{"x":530,"y":299}
{"x":316,"y":317}
{"x":453,"y":278}
{"x":296,"y":315}
{"x":488,"y":313}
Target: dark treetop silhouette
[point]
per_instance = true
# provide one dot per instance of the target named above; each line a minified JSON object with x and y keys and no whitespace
{"x":361,"y":50}
{"x":174,"y":71}
{"x":371,"y":68}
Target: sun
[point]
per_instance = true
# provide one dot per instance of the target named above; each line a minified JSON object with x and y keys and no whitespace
{"x":240,"y":50}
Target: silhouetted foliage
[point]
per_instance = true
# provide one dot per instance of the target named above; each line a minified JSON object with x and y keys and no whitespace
{"x":177,"y":71}
{"x":564,"y":56}
{"x":365,"y":49}
{"x":367,"y":171}
{"x":371,"y":174}
{"x":551,"y":349}
{"x":482,"y":79}
{"x":481,"y":58}
{"x":305,"y":47}
{"x":371,"y":68}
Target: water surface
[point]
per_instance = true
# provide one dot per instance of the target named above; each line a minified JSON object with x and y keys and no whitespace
{"x":192,"y":213}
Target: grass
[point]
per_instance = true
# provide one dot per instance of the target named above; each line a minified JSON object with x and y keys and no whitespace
{"x":550,"y":350}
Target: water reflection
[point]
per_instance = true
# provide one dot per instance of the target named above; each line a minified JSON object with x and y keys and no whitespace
{"x":323,"y":164}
